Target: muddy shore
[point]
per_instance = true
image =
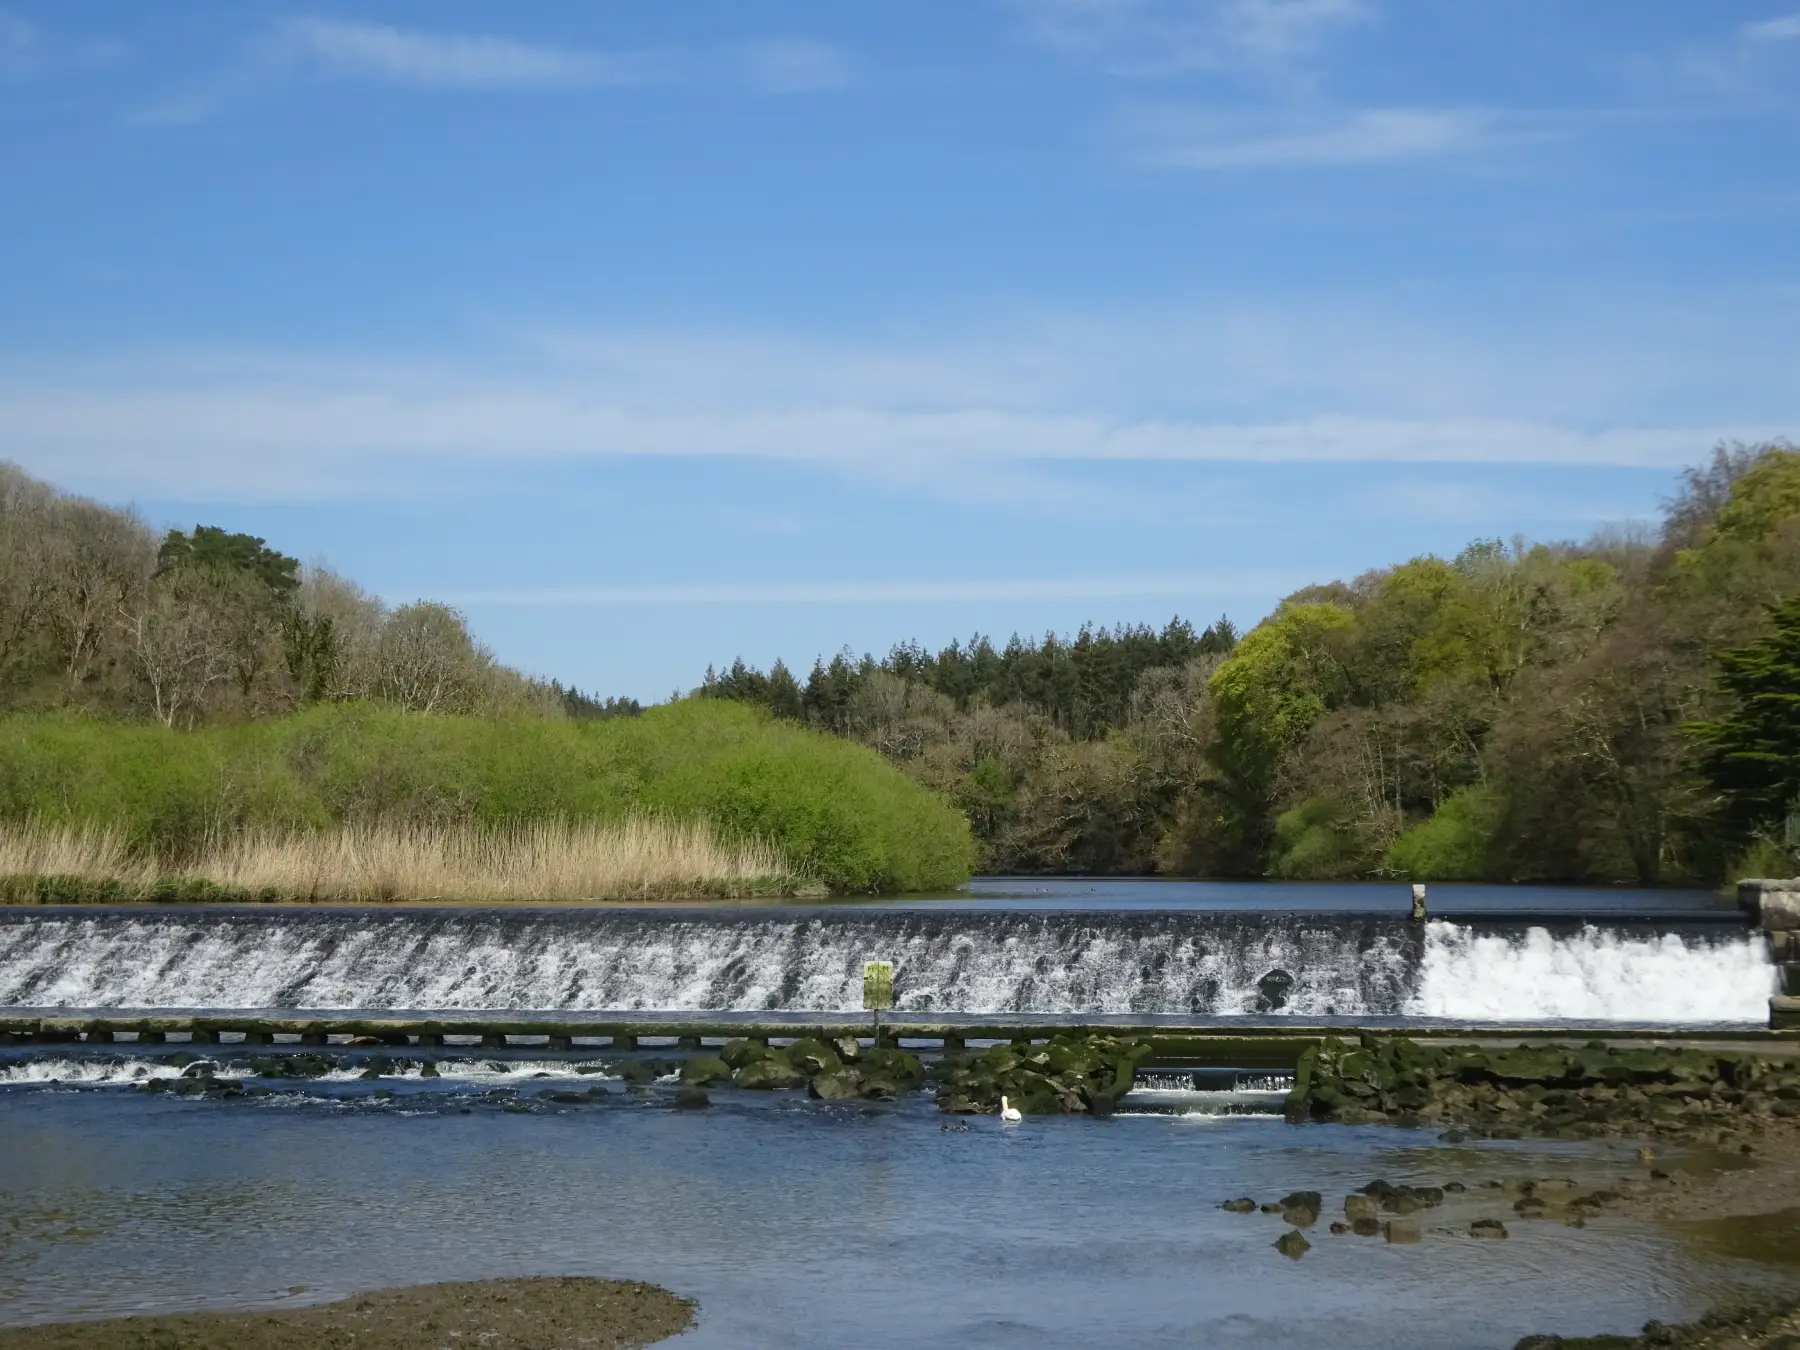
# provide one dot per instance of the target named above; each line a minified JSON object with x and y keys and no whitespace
{"x":531,"y":1314}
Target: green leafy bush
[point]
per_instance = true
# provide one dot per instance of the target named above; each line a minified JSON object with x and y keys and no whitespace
{"x":1455,"y":843}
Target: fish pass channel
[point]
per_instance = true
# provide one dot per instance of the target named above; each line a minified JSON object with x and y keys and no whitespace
{"x":1644,"y":969}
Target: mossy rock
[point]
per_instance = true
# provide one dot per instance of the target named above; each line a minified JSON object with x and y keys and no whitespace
{"x":836,"y":1085}
{"x":739,"y":1053}
{"x":811,"y":1055}
{"x":902,"y":1066}
{"x":704,"y":1069}
{"x":769,"y":1074}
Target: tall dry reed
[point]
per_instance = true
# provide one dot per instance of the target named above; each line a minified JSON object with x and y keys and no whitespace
{"x":639,"y":858}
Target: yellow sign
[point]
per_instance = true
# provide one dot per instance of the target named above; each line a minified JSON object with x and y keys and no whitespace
{"x":878,"y":985}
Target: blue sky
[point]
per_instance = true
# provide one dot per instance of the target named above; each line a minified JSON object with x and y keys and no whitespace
{"x":652,"y":335}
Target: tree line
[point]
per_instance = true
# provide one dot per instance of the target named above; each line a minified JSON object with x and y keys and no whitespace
{"x":205,"y":625}
{"x":1623,"y":709}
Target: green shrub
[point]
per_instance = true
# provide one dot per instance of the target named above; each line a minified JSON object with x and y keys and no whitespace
{"x":1312,"y":843}
{"x":1455,"y":844}
{"x":837,"y":810}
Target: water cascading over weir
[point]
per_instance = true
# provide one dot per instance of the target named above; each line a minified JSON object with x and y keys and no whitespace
{"x":1176,"y":964}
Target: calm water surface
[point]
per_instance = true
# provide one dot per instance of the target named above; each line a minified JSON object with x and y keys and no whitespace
{"x":799,"y":1223}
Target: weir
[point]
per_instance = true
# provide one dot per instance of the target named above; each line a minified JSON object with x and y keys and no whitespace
{"x":1081,"y":966}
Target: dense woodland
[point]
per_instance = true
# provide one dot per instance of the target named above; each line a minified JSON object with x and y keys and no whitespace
{"x":1625,"y":709}
{"x":1518,"y":712}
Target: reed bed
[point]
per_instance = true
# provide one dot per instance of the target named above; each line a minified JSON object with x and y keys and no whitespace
{"x":640,"y":858}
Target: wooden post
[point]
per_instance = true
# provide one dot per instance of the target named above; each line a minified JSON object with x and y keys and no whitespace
{"x":1418,"y":899}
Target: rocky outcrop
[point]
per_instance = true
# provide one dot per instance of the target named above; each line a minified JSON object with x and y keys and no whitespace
{"x":1756,"y":1325}
{"x":1066,"y":1075}
{"x":1542,"y":1091}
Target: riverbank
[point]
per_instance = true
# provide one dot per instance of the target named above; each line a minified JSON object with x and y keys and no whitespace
{"x":639,"y":859}
{"x":464,"y":800}
{"x":530,"y":1314}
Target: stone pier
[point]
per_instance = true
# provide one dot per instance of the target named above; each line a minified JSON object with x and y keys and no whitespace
{"x":1773,"y":904}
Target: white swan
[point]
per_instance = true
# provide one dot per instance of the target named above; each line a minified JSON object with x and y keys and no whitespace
{"x":1009,"y":1114}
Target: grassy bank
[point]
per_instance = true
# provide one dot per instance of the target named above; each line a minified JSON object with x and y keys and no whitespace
{"x":463,"y":796}
{"x":635,"y":859}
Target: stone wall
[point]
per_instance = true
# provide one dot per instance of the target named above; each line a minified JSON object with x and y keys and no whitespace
{"x":1774,"y":905}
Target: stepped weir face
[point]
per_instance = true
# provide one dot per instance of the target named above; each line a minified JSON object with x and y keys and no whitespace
{"x":756,"y":960}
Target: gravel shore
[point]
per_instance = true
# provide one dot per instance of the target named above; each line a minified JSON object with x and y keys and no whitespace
{"x":550,"y":1313}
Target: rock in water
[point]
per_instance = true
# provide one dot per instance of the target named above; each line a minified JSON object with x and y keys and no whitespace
{"x":1369,"y":1227}
{"x":704,"y":1069}
{"x":1274,"y":989}
{"x":1338,"y":1229}
{"x":1487,"y":1228}
{"x":1293,"y":1244}
{"x":1242,"y":1205}
{"x":812,"y":1056}
{"x":1301,"y":1208}
{"x":1360,"y":1207}
{"x":691,"y":1099}
{"x":840,"y":1085}
{"x":1403,"y":1230}
{"x":769,"y":1074}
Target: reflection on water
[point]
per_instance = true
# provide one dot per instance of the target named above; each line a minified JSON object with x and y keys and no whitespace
{"x":1757,"y":1237}
{"x":800,"y":1223}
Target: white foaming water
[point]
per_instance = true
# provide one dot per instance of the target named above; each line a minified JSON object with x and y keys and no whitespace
{"x":625,"y":963}
{"x":88,"y":1072}
{"x":1592,"y":976}
{"x":1217,"y":965}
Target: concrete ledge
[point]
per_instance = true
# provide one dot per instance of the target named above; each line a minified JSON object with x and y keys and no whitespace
{"x":1271,"y":1045}
{"x":1784,"y":1013}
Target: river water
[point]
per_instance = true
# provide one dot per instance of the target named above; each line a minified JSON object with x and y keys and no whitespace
{"x":800,"y":1223}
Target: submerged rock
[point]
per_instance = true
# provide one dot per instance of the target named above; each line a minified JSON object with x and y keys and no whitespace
{"x":1403,"y":1230}
{"x":1293,"y":1244}
{"x":1487,"y":1228}
{"x":1242,"y":1205}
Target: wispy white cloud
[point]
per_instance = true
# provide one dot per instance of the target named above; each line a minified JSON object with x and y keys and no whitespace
{"x":1273,"y":38}
{"x":327,"y":438}
{"x":1231,"y":583}
{"x":1187,"y":139}
{"x":796,"y":66}
{"x":1782,"y":28}
{"x":450,"y":60}
{"x":1020,"y":411}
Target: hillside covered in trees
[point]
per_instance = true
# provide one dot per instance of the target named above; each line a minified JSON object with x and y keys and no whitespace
{"x":1519,"y":712}
{"x":1626,"y":709}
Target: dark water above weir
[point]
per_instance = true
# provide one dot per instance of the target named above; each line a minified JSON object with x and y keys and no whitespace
{"x":804,"y":1224}
{"x":993,"y":951}
{"x":1392,"y":899}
